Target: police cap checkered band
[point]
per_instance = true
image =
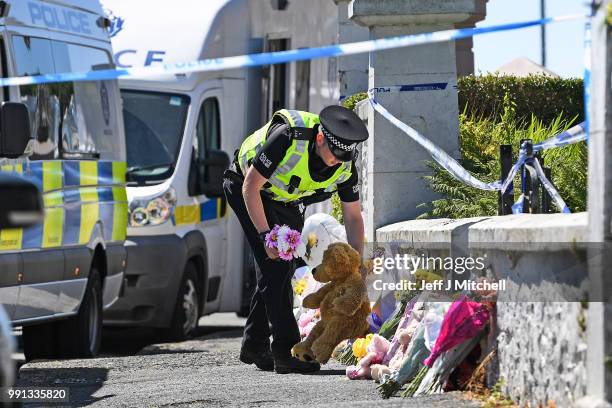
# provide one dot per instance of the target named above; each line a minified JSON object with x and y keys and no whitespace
{"x":344,"y":125}
{"x":336,"y":142}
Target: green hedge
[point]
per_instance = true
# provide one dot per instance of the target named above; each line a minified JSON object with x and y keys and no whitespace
{"x":543,"y":96}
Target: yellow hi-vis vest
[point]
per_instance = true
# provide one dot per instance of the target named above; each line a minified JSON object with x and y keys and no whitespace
{"x":291,"y":179}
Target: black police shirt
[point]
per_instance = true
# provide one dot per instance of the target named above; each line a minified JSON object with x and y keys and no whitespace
{"x":273,"y":151}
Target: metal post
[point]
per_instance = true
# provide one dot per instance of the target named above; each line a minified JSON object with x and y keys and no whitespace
{"x":528,"y":178}
{"x":544,"y":196}
{"x":599,"y":315}
{"x":505,"y":200}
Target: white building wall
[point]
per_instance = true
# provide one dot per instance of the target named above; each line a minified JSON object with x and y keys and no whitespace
{"x":309,"y":23}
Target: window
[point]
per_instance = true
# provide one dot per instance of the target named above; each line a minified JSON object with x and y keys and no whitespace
{"x":68,"y":120}
{"x":208,"y":137}
{"x":277,"y":91}
{"x":302,"y":85}
{"x":154,"y":126}
{"x":208,"y":131}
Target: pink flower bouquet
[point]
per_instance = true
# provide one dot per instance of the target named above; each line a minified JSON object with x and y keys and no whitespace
{"x":286,"y":241}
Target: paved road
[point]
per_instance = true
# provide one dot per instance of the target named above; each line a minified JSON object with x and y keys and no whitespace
{"x":203,"y":372}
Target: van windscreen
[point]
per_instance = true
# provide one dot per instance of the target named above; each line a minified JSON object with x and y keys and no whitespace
{"x":154,"y":126}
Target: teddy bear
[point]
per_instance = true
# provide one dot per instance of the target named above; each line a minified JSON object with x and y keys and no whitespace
{"x":376,"y":351}
{"x":343,"y":303}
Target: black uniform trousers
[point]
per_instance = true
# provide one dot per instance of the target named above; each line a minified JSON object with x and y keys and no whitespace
{"x":271,"y":309}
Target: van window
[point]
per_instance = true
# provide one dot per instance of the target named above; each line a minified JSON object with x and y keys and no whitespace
{"x":68,"y":120}
{"x":208,"y":131}
{"x":154,"y":126}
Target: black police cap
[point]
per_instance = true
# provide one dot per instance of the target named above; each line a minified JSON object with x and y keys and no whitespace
{"x":343,"y":124}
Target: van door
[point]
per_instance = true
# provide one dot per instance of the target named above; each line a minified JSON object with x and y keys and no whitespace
{"x":213,"y":220}
{"x":43,"y":263}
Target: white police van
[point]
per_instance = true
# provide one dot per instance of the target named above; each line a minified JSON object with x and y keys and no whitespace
{"x":57,"y":277}
{"x":185,"y":249}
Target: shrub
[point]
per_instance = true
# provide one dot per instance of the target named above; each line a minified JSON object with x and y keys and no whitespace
{"x":479,"y":141}
{"x":543,"y":96}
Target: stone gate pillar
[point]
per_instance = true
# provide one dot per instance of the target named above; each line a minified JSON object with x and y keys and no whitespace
{"x":352,"y":69}
{"x":395,"y":165}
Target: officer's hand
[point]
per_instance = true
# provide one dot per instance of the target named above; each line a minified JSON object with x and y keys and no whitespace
{"x":272,"y":252}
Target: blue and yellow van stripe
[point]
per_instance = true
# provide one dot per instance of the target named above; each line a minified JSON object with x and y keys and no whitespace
{"x":76,"y":195}
{"x":196,"y":213}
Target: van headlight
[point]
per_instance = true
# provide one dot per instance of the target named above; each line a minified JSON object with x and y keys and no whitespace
{"x":153,"y":210}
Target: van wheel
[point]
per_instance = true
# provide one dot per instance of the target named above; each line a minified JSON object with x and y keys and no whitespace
{"x":187,"y":310}
{"x":39,"y":341}
{"x":80,"y":336}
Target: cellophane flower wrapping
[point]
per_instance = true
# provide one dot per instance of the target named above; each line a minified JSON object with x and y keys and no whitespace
{"x":437,"y":375}
{"x":413,"y":361}
{"x":303,"y":284}
{"x":382,"y":310}
{"x":403,"y":323}
{"x":460,"y":331}
{"x":464,"y":319}
{"x":430,"y":314}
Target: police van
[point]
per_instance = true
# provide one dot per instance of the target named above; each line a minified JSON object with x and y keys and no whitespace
{"x":185,"y":250}
{"x":23,"y":210}
{"x":56,"y":278}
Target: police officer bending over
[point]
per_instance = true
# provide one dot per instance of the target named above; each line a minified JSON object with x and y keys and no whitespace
{"x":296,"y":159}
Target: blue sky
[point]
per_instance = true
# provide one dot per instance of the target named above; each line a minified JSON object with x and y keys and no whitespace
{"x":564,"y":40}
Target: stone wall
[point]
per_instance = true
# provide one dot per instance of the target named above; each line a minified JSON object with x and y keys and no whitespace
{"x":539,"y":330}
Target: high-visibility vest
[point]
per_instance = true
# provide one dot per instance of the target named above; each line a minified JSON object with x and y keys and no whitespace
{"x":291,"y":179}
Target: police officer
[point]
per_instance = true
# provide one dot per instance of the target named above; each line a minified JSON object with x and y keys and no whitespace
{"x":296,"y":159}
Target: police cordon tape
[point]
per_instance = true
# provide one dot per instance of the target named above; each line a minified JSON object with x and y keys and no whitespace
{"x":517,"y":207}
{"x":252,"y":60}
{"x":573,"y":135}
{"x":279,"y":57}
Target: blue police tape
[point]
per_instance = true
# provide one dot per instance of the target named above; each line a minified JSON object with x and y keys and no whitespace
{"x":439,"y":155}
{"x":517,"y":207}
{"x":587,"y":75}
{"x":575,"y":134}
{"x":448,"y":163}
{"x":279,"y":57}
{"x":552,"y":191}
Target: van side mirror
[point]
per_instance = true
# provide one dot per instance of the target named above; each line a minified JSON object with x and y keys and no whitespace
{"x":22,"y":206}
{"x":212,"y":168}
{"x":15,"y":129}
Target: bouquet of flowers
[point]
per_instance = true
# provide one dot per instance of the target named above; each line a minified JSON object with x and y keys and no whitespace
{"x":286,"y":241}
{"x":402,"y":324}
{"x":354,"y":350}
{"x":428,"y":315}
{"x":413,"y":362}
{"x":464,"y":320}
{"x":460,"y":331}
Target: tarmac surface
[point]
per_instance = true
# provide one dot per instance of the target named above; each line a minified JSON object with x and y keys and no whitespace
{"x":134,"y":371}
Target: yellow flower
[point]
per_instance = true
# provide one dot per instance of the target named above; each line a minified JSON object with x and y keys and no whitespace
{"x":360,"y":346}
{"x":299,"y":287}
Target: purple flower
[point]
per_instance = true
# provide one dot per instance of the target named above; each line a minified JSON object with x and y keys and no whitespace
{"x":285,"y":256}
{"x":272,"y":237}
{"x":293,"y":239}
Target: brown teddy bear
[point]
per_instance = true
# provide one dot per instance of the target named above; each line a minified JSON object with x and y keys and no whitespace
{"x":343,"y":303}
